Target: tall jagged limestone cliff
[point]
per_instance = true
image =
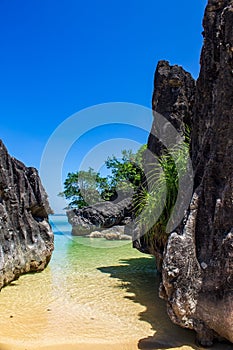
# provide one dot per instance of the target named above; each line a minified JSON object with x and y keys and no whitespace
{"x":173,"y":98}
{"x":198,"y":260}
{"x":26,"y":239}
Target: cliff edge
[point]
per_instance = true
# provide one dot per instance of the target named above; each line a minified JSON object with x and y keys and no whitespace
{"x":26,"y":238}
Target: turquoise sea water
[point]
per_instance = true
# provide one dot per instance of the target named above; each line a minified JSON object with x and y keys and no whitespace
{"x":92,"y":291}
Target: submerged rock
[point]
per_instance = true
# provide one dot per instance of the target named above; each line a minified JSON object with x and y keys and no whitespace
{"x":96,"y":234}
{"x":113,"y":233}
{"x":26,"y":238}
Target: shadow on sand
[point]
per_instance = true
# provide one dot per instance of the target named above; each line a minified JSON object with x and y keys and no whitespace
{"x":138,"y":276}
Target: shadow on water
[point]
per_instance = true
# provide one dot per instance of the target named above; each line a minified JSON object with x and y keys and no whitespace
{"x":138,"y":277}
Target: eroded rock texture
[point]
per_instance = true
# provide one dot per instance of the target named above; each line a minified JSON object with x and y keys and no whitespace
{"x":99,"y":216}
{"x":173,"y":99}
{"x":26,"y":239}
{"x":198,"y":261}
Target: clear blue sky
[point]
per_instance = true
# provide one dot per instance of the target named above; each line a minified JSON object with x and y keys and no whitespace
{"x":58,"y":57}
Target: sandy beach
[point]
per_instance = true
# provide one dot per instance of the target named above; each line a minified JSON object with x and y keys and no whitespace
{"x":84,"y":346}
{"x":90,"y":298}
{"x":106,"y":346}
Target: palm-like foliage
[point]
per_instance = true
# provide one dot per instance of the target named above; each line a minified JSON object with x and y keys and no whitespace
{"x":157,"y":196}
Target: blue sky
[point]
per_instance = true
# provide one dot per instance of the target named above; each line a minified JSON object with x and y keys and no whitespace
{"x":59,"y":57}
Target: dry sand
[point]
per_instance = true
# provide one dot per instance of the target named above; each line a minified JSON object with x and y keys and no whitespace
{"x":85,"y":346}
{"x":152,"y":344}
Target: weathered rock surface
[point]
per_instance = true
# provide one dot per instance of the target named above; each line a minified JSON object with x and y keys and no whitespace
{"x":99,"y":216}
{"x":198,"y":260}
{"x":173,"y":98}
{"x":113,"y":233}
{"x":26,"y":239}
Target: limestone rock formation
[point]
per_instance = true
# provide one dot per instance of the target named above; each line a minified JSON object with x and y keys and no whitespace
{"x":99,"y":216}
{"x":115,"y":233}
{"x":197,"y":271}
{"x":173,"y":98}
{"x":26,"y":239}
{"x":209,"y":229}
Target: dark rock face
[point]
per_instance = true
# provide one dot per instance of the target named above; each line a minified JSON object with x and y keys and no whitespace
{"x":99,"y":216}
{"x":213,"y":162}
{"x":26,"y":239}
{"x":173,"y":98}
{"x":198,"y":260}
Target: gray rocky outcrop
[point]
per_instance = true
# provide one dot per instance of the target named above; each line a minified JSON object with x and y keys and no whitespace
{"x":26,"y":239}
{"x":112,"y":234}
{"x":211,"y":249}
{"x":173,"y":98}
{"x":197,"y":269}
{"x":99,"y":216}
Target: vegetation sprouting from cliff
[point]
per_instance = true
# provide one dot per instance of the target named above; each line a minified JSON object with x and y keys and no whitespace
{"x":153,"y":183}
{"x":156,"y":197}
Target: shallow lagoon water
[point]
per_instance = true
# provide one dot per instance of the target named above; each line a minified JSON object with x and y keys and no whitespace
{"x":93,"y":291}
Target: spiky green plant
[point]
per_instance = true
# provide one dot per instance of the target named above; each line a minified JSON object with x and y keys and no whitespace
{"x":157,"y":196}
